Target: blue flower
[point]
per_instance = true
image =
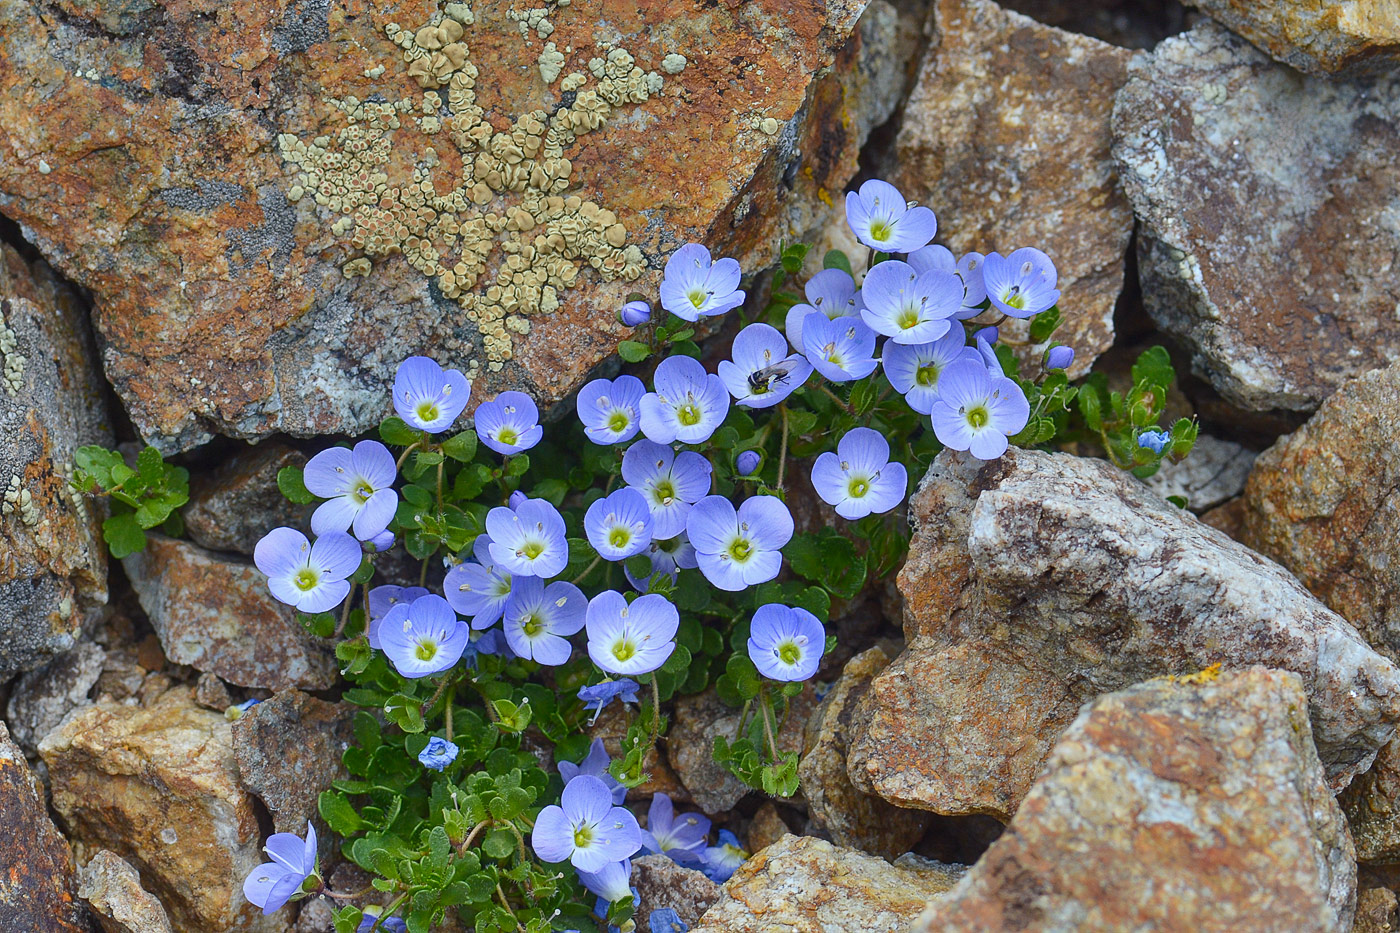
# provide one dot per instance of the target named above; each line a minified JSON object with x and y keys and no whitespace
{"x":977,"y":411}
{"x":635,"y":313}
{"x":423,"y":637}
{"x":671,"y":483}
{"x":478,"y":588}
{"x":438,"y":754}
{"x":785,"y":642}
{"x":358,"y":487}
{"x":842,"y":350}
{"x":747,"y":462}
{"x":1155,"y":441}
{"x":619,"y":526}
{"x":913,"y":368}
{"x":763,"y":372}
{"x":881,"y":219}
{"x":830,"y":291}
{"x":427,"y":396}
{"x":987,"y":335}
{"x":611,"y":409}
{"x":509,"y":423}
{"x":236,"y":711}
{"x":598,"y":696}
{"x":538,"y":619}
{"x":382,"y":599}
{"x":988,"y":356}
{"x":908,"y":306}
{"x":668,"y":556}
{"x":739,"y":548}
{"x":968,"y":269}
{"x":309,"y":577}
{"x":1059,"y":357}
{"x":693,"y":287}
{"x":724,"y":859}
{"x":612,"y":882}
{"x":586,"y":829}
{"x":859,"y":478}
{"x":1021,"y":284}
{"x":596,"y":764}
{"x":530,"y":540}
{"x":688,"y":405}
{"x":680,"y":837}
{"x":666,"y":920}
{"x":387,"y":925}
{"x":379,"y":543}
{"x":273,"y":883}
{"x":631,"y":639}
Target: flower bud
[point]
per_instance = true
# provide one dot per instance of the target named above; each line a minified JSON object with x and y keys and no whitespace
{"x":635,"y":313}
{"x":989,"y":334}
{"x":517,"y":499}
{"x":380,"y":542}
{"x":1155,"y":441}
{"x":747,"y":462}
{"x":1059,"y":357}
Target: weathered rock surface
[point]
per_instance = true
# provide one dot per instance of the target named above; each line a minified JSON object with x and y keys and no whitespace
{"x":1190,"y":804}
{"x":36,"y":868}
{"x":1372,"y":806}
{"x":217,"y":615}
{"x":273,"y":208}
{"x":660,"y":882}
{"x":853,"y":819}
{"x":1215,"y":471}
{"x":233,"y":506}
{"x":113,"y":889}
{"x":1006,"y":136}
{"x":288,"y":750}
{"x":158,"y":786}
{"x":803,"y":884}
{"x":43,"y":697}
{"x":1251,"y":183}
{"x":1350,"y":37}
{"x":1376,"y":911}
{"x":1040,"y":581}
{"x":53,"y":562}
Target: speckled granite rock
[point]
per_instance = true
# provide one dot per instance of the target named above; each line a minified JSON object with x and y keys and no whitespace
{"x":1376,"y":911}
{"x":660,"y":882}
{"x":802,"y":884}
{"x":1006,"y":137}
{"x":1191,"y":804}
{"x":1346,"y":37}
{"x":53,"y":562}
{"x":42,"y":698}
{"x":273,"y":206}
{"x":852,"y":818}
{"x":234,"y":505}
{"x":1215,"y":471}
{"x":113,"y":889}
{"x":158,"y":786}
{"x":1251,"y":183}
{"x":1039,"y":581}
{"x":216,"y":614}
{"x":1372,"y":807}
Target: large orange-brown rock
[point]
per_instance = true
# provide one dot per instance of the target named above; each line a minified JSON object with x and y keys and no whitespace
{"x":273,"y":204}
{"x":1006,"y":136}
{"x":1346,"y":37}
{"x":53,"y":562}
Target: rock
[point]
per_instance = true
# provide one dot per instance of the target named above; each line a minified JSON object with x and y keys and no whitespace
{"x":660,"y":882}
{"x":1372,"y":806}
{"x":1376,"y":911}
{"x":802,"y":884}
{"x":1133,"y":24}
{"x":113,"y":889}
{"x":234,"y":505}
{"x":273,"y":210}
{"x":1194,"y":803}
{"x":1250,"y":183}
{"x":1215,"y":471}
{"x":53,"y":562}
{"x":36,"y":868}
{"x":316,"y":916}
{"x":217,"y":615}
{"x":853,"y":819}
{"x":1006,"y":137}
{"x":1227,"y":518}
{"x":158,"y":786}
{"x":1039,"y":581}
{"x":211,"y":693}
{"x":766,"y":827}
{"x":43,"y":697}
{"x":611,"y":727}
{"x":1348,"y":38}
{"x":288,"y":750}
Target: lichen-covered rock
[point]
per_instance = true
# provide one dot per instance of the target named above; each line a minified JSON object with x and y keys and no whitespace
{"x":234,"y":505}
{"x":53,"y":562}
{"x":288,"y":750}
{"x":217,"y":615}
{"x":852,"y":818}
{"x":1372,"y":806}
{"x":1039,"y":581}
{"x":1006,"y":136}
{"x":1215,"y":471}
{"x":274,"y":206}
{"x":1195,"y":803}
{"x":159,"y":787}
{"x":113,"y":889}
{"x":1376,"y":911}
{"x":41,"y":698}
{"x":803,"y":884}
{"x":1251,"y":183}
{"x":36,"y":868}
{"x":660,"y":882}
{"x":1349,"y":37}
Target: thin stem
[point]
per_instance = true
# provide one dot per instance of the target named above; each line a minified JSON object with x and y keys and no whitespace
{"x":404,"y":456}
{"x":387,"y":912}
{"x":345,"y":613}
{"x":782,"y":450}
{"x":348,"y":896}
{"x":836,"y":398}
{"x":655,"y":712}
{"x":587,"y":570}
{"x":423,"y":574}
{"x":743,"y":715}
{"x":506,"y":904}
{"x":442,"y":688}
{"x":768,"y":723}
{"x":447,"y":709}
{"x":471,"y":837}
{"x":441,"y":464}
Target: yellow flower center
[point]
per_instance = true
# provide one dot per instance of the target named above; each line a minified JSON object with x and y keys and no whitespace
{"x":623,"y":649}
{"x":426,"y":650}
{"x":427,"y":411}
{"x":978,"y":417}
{"x":688,"y":414}
{"x":789,"y":652}
{"x":740,"y":549}
{"x":306,"y":579}
{"x":618,"y":421}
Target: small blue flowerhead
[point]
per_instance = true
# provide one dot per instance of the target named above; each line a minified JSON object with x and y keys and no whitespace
{"x":598,"y":696}
{"x":387,"y":925}
{"x":619,"y":525}
{"x":237,"y":710}
{"x":358,"y":487}
{"x":859,"y":478}
{"x":538,"y":619}
{"x":668,"y":556}
{"x":666,"y":920}
{"x":273,"y":883}
{"x":747,"y":462}
{"x":478,"y":588}
{"x":786,"y":643}
{"x":909,"y":306}
{"x":694,"y":287}
{"x":913,"y":369}
{"x":881,"y":219}
{"x":379,"y":543}
{"x":1021,"y":284}
{"x":1155,"y":441}
{"x":610,"y":409}
{"x":631,"y":639}
{"x":842,"y":350}
{"x":688,"y":405}
{"x":977,"y":411}
{"x":586,"y":828}
{"x":438,"y":754}
{"x":681,"y":837}
{"x":987,"y":335}
{"x":724,"y":859}
{"x":382,"y":599}
{"x":670,"y":482}
{"x":738,"y":548}
{"x":1059,"y":357}
{"x":509,"y":423}
{"x":612,"y":882}
{"x":763,"y":372}
{"x":310,"y":577}
{"x":529,"y":540}
{"x":427,"y":396}
{"x":635,"y":313}
{"x":595,"y":763}
{"x":517,"y":499}
{"x":832,"y":292}
{"x":423,"y":637}
{"x":968,"y":269}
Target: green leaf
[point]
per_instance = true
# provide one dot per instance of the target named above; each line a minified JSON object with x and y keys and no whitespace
{"x":1044,"y":324}
{"x":836,"y":259}
{"x":404,"y":712}
{"x":1090,"y":407}
{"x":339,"y":815}
{"x":498,"y":844}
{"x":1178,"y":501}
{"x":394,"y":430}
{"x":461,"y":447}
{"x":793,"y":257}
{"x":123,"y":534}
{"x":150,"y":466}
{"x":97,"y":462}
{"x":1154,"y":367}
{"x":801,"y":421}
{"x":633,"y":351}
{"x":517,"y":466}
{"x":292,"y":482}
{"x":863,"y":395}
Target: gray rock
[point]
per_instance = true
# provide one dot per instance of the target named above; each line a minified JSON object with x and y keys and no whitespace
{"x":43,"y":697}
{"x":1346,"y":38}
{"x":1251,"y":182}
{"x":233,"y":506}
{"x":1214,"y":472}
{"x":113,"y":890}
{"x":660,"y":882}
{"x":288,"y":750}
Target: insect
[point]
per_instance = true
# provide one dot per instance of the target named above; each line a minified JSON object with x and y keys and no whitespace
{"x":760,"y":379}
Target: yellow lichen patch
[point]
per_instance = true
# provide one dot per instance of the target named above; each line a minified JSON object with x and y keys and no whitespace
{"x":11,"y":360}
{"x":502,"y":236}
{"x":1206,"y":676}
